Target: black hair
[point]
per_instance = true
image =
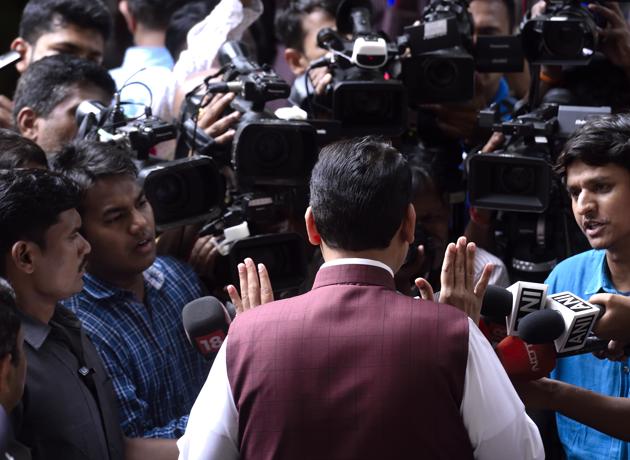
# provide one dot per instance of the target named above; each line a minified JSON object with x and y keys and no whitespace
{"x":30,"y":203}
{"x":288,"y":22}
{"x":42,"y":16}
{"x":9,"y":323}
{"x":182,"y":21}
{"x":49,"y":81}
{"x":598,"y":142}
{"x":360,"y":191}
{"x":154,"y":14}
{"x":19,"y":152}
{"x":86,"y":161}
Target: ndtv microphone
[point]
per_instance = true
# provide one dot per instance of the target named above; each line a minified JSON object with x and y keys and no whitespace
{"x":524,"y":361}
{"x":206,"y":322}
{"x":528,"y":298}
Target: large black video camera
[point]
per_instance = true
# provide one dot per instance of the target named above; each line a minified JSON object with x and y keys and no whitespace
{"x":443,"y":58}
{"x":519,"y":177}
{"x":265,"y":150}
{"x":567,"y":33}
{"x":363,"y":95}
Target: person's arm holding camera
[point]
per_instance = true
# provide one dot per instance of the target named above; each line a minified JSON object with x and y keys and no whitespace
{"x":614,"y":39}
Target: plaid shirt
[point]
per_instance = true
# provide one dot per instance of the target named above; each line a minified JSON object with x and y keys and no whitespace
{"x":157,"y":375}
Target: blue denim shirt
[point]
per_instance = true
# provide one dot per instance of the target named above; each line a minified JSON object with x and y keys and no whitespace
{"x":586,"y":274}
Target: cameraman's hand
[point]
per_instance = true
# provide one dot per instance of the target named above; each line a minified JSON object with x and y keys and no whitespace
{"x":255,"y":287}
{"x":215,"y":126}
{"x":6,"y":109}
{"x":457,"y":278}
{"x":320,"y":77}
{"x":615,"y":38}
{"x":494,"y":143}
{"x":203,"y":257}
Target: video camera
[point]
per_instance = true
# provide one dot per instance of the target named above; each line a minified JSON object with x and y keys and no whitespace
{"x":109,"y":124}
{"x":566,"y":34}
{"x":443,"y":58}
{"x":265,"y":149}
{"x":363,"y":95}
{"x":519,"y":177}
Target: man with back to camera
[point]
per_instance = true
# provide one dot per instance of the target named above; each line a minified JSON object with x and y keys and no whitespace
{"x":595,"y":167}
{"x":50,"y":27}
{"x":353,"y":369}
{"x":132,"y":300}
{"x":48,"y":94}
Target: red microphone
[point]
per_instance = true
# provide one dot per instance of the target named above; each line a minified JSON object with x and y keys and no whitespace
{"x":524,"y":361}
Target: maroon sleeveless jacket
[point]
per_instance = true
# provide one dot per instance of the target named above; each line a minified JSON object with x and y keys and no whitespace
{"x":350,"y":370}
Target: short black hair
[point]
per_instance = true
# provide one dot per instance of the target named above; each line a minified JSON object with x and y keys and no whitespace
{"x":42,"y":16}
{"x":154,"y":14}
{"x":182,"y":21}
{"x":360,"y":191}
{"x":9,"y":323}
{"x":19,"y":152}
{"x":598,"y":142}
{"x":86,"y":161}
{"x":30,"y":203}
{"x":288,"y":22}
{"x":48,"y":82}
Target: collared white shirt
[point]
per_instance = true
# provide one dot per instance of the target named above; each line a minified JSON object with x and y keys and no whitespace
{"x":492,"y":412}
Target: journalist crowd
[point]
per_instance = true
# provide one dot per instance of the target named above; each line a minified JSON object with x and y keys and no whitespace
{"x":316,"y":229}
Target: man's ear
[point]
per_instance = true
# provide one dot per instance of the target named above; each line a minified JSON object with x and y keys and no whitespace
{"x":26,"y":51}
{"x":22,"y":256}
{"x":408,"y":226}
{"x":311,"y":229}
{"x":27,"y":123}
{"x":123,"y":7}
{"x":296,"y":60}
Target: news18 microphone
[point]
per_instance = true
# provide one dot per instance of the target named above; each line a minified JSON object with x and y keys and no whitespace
{"x":206,"y":322}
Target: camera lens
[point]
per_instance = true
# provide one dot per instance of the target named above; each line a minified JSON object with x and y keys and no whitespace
{"x":270,"y":148}
{"x":369,"y":104}
{"x":564,"y":39}
{"x":517,"y":180}
{"x":440,"y":73}
{"x":170,"y":191}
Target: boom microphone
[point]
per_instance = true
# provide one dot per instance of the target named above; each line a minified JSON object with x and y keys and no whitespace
{"x":206,"y":322}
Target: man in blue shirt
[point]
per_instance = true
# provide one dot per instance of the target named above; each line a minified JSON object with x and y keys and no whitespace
{"x":131,"y":302}
{"x":595,"y":166}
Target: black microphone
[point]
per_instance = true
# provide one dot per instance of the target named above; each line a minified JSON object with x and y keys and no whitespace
{"x":206,"y":322}
{"x":496,"y":303}
{"x":542,"y":326}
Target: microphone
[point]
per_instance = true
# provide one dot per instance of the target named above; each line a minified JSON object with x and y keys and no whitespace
{"x":206,"y":322}
{"x":525,"y":361}
{"x":528,"y":298}
{"x":579,"y":317}
{"x":542,"y":326}
{"x":495,"y":307}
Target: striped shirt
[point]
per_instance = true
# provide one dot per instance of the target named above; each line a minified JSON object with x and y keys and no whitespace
{"x":156,"y":373}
